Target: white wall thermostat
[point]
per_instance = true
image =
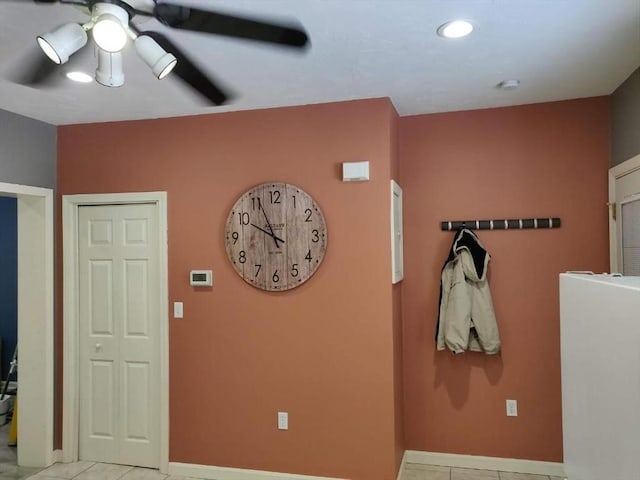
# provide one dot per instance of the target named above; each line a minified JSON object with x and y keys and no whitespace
{"x":201,"y":278}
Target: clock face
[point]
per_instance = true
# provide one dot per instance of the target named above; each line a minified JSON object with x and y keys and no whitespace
{"x":275,"y":236}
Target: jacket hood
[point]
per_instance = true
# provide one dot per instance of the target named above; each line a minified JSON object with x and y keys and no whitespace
{"x":477,"y":258}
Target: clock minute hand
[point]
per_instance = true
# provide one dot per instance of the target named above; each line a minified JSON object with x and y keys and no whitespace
{"x":273,"y":235}
{"x":275,"y":238}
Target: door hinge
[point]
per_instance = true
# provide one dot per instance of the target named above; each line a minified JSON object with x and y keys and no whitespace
{"x":613,"y":208}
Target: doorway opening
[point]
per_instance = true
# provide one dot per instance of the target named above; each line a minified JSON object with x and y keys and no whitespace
{"x":35,"y":323}
{"x":8,"y":326}
{"x":624,"y":218}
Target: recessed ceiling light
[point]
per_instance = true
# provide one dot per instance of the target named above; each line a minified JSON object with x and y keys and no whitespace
{"x":79,"y":77}
{"x":455,"y":29}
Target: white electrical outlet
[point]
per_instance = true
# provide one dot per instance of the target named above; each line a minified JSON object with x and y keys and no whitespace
{"x":283,"y":421}
{"x":512,"y":408}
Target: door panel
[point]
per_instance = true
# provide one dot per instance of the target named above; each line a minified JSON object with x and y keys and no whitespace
{"x":119,"y":334}
{"x":136,"y":320}
{"x":630,"y":219}
{"x":624,"y":226}
{"x":137,"y":419}
{"x":101,"y":300}
{"x":102,"y":399}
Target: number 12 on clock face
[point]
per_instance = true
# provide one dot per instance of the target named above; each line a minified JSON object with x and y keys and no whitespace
{"x":276,"y":236}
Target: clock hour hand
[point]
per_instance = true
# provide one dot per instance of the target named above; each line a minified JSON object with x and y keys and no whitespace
{"x":275,"y":238}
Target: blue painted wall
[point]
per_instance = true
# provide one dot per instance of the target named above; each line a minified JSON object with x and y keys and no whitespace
{"x":8,"y":279}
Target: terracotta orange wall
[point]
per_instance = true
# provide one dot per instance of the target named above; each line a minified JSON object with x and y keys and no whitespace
{"x":324,"y":352}
{"x":528,"y":161}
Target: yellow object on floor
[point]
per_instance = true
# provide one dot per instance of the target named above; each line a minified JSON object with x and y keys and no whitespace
{"x":13,"y":433}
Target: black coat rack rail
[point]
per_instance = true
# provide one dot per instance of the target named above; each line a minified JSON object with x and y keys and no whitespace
{"x":506,"y":224}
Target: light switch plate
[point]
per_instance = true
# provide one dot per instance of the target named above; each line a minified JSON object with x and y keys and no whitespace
{"x":283,"y":421}
{"x":177,"y":310}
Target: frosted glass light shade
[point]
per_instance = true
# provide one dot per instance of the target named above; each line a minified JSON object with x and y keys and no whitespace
{"x":110,"y":26}
{"x":109,"y":34}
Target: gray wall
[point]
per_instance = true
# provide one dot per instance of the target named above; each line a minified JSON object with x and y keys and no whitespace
{"x":625,"y":120}
{"x":27,"y":151}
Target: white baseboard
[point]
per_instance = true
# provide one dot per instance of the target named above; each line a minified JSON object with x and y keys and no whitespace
{"x":228,"y":473}
{"x":485,"y":463}
{"x":57,"y":456}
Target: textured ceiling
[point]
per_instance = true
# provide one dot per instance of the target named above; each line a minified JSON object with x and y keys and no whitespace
{"x":558,"y":49}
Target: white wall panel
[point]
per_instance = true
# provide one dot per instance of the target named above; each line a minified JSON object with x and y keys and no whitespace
{"x":600,"y":335}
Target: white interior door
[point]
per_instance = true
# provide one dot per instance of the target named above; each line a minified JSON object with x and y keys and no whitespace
{"x":119,"y":334}
{"x":624,"y":196}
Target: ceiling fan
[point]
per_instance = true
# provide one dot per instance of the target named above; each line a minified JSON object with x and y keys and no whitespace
{"x":110,"y":26}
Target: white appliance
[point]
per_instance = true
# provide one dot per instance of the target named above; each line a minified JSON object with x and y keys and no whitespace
{"x":600,"y":347}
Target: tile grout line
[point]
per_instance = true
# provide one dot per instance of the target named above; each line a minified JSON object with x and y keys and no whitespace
{"x":79,"y":473}
{"x":130,"y":468}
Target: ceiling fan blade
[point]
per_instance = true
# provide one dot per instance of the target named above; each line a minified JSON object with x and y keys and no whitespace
{"x":189,"y":73}
{"x":194,"y":19}
{"x":35,"y":70}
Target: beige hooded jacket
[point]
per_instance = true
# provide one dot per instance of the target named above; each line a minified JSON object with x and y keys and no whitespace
{"x":467,"y":320}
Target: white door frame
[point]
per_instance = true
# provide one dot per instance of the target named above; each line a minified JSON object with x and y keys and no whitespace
{"x":615,"y":173}
{"x":70,"y":414}
{"x":35,"y":323}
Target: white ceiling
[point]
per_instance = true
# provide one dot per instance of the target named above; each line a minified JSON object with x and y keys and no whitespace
{"x":558,"y":49}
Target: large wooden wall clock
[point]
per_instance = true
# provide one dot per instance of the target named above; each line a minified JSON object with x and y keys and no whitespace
{"x":275,"y":236}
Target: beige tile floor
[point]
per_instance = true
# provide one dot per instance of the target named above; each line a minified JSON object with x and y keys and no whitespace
{"x":102,"y":471}
{"x":414,"y":471}
{"x":98,"y":471}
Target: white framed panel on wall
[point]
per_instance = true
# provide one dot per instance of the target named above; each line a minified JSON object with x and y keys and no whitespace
{"x":397,"y":237}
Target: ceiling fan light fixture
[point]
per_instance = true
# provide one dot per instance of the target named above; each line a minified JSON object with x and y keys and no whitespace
{"x":157,"y":58}
{"x":110,"y":27}
{"x":63,"y":42}
{"x":109,"y":72}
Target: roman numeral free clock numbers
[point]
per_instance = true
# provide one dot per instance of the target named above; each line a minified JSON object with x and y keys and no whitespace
{"x":275,"y":236}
